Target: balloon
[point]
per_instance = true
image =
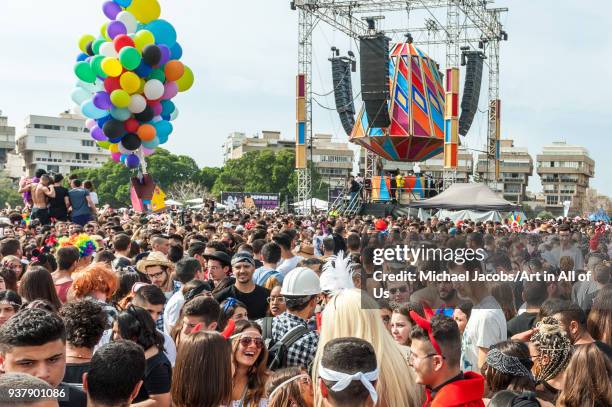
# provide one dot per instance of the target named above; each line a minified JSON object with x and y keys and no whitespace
{"x":89,"y":49}
{"x":102,"y":101}
{"x":167,"y":107}
{"x":90,"y":123}
{"x":146,"y":115}
{"x":145,"y":11}
{"x":98,"y":86}
{"x":103,"y":144}
{"x":120,"y":114}
{"x":96,"y":65}
{"x":143,"y":38}
{"x":170,"y":90}
{"x":143,"y":70}
{"x":113,"y":129}
{"x":115,"y":157}
{"x":131,"y":141}
{"x":132,"y":161}
{"x":174,"y":70}
{"x":137,"y":104}
{"x":84,"y":72}
{"x":84,"y":40}
{"x":176,"y":51}
{"x":163,"y":31}
{"x":151,"y":54}
{"x":151,"y":144}
{"x":130,"y":58}
{"x":111,"y":9}
{"x":114,"y":148}
{"x":128,"y":20}
{"x":157,"y":109}
{"x":117,"y":140}
{"x":174,"y":114}
{"x":98,"y":135}
{"x":80,"y":95}
{"x":120,"y":98}
{"x":147,"y":151}
{"x":186,"y":81}
{"x":124,"y":3}
{"x":154,"y":89}
{"x":164,"y":128}
{"x":165,"y":52}
{"x":103,"y":120}
{"x":130,"y":82}
{"x":108,"y":50}
{"x":121,"y":41}
{"x":115,"y":28}
{"x":82,"y":57}
{"x":88,"y":109}
{"x":111,"y":84}
{"x":146,"y":132}
{"x":131,"y":125}
{"x":157,"y":74}
{"x":112,"y":66}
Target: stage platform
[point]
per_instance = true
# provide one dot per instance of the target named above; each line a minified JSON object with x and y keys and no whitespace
{"x":384,"y":209}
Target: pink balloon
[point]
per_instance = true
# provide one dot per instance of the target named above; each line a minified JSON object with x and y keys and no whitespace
{"x":90,"y":123}
{"x":170,"y":90}
{"x":157,"y":108}
{"x":116,"y":157}
{"x":147,"y":151}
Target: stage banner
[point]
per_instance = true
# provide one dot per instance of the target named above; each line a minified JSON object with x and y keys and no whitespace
{"x":250,"y":200}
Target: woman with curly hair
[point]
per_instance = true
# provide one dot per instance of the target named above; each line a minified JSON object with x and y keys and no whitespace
{"x":96,"y":281}
{"x":550,"y":350}
{"x":249,"y":356}
{"x":290,"y":387}
{"x":85,"y":322}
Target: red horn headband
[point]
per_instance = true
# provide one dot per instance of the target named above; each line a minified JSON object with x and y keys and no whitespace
{"x":426,"y":325}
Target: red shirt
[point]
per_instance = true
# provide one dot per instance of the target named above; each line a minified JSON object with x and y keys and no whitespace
{"x":467,"y":392}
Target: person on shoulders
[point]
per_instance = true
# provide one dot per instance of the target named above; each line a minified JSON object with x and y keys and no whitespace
{"x":271,"y":255}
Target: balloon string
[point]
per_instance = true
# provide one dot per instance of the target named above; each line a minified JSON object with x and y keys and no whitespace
{"x":143,"y":163}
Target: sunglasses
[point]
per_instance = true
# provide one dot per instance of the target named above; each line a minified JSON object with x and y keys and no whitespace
{"x":402,"y":290}
{"x":246,"y":341}
{"x":276,"y":299}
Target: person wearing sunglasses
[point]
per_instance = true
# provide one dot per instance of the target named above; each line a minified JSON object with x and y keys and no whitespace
{"x":399,"y":292}
{"x":277,"y":302}
{"x":249,"y":357}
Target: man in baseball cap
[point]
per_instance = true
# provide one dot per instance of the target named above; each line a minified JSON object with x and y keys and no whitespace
{"x":245,"y":289}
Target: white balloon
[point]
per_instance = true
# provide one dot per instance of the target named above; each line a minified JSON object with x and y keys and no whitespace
{"x":76,"y":110}
{"x":154,"y":89}
{"x":90,"y":87}
{"x":174,"y":114}
{"x":98,"y":85}
{"x":137,"y":104}
{"x":157,"y":119}
{"x":79,"y":95}
{"x":128,"y":20}
{"x":90,"y":123}
{"x":108,"y":50}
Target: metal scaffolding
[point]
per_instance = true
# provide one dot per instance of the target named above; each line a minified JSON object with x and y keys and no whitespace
{"x":470,"y":23}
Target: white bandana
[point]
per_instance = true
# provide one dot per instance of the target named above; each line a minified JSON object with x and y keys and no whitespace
{"x":344,"y":379}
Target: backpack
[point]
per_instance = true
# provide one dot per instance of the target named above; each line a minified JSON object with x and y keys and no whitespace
{"x":277,"y":351}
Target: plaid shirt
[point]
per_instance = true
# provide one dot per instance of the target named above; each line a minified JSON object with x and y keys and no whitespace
{"x":302,"y":352}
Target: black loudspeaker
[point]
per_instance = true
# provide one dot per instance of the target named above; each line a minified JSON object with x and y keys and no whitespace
{"x":374,"y":52}
{"x":343,"y":92}
{"x":471,"y":90}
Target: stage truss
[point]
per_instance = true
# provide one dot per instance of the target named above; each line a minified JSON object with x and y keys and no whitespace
{"x":469,"y":23}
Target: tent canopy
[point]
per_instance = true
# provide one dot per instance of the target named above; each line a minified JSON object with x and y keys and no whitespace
{"x":600,"y":215}
{"x":476,"y":197}
{"x":316,"y":203}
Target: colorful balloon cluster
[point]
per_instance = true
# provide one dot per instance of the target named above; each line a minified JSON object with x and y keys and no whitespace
{"x":128,"y":76}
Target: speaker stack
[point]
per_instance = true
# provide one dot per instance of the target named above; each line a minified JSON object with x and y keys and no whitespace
{"x":471,"y":90}
{"x":343,"y":92}
{"x":374,"y":51}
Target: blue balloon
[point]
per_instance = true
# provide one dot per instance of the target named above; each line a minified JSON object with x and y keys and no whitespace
{"x":166,"y":117}
{"x":120,"y":114}
{"x":123,"y":3}
{"x":143,"y":70}
{"x":103,"y":120}
{"x":167,"y":108}
{"x":90,"y":110}
{"x":151,"y":144}
{"x":80,"y":95}
{"x":122,"y":158}
{"x":82,"y":57}
{"x":164,"y":128}
{"x":163,"y":31}
{"x":117,"y":139}
{"x":176,"y":51}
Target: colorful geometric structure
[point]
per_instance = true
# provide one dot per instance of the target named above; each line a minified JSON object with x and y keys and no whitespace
{"x":300,"y":127}
{"x":381,"y":187}
{"x":416,"y":108}
{"x":451,"y":121}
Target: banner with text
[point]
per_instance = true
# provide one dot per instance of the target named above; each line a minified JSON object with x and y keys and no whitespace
{"x":248,"y":200}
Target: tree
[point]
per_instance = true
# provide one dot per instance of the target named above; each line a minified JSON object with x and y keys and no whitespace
{"x":185,"y":190}
{"x":208,"y":176}
{"x":8,"y":192}
{"x":545,"y":215}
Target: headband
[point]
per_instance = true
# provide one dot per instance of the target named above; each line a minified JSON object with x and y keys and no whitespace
{"x":426,"y":325}
{"x":507,"y":364}
{"x":344,"y":379}
{"x":230,"y":302}
{"x":227,"y":332}
{"x":286,"y":382}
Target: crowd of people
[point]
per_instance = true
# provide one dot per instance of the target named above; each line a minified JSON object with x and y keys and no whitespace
{"x":253,"y":308}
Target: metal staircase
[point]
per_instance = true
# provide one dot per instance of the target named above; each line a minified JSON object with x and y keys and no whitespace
{"x":344,"y":206}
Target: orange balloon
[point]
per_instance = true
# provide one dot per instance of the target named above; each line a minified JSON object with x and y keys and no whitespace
{"x":174,"y":70}
{"x":146,"y":132}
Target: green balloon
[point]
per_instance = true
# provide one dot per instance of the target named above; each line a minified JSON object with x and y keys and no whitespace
{"x":157,"y":74}
{"x":96,"y":65}
{"x":130,"y":58}
{"x":84,"y":72}
{"x":103,"y":144}
{"x":97,"y":44}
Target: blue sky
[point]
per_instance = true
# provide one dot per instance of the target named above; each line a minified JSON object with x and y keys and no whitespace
{"x":555,"y":71}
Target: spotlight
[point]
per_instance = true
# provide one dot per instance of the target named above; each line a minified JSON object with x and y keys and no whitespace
{"x":292,"y":4}
{"x":504,"y":35}
{"x":371,"y":23}
{"x":350,"y":54}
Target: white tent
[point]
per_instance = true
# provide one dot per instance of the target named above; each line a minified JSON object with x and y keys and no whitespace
{"x":195,"y":201}
{"x":172,"y":202}
{"x":318,"y":204}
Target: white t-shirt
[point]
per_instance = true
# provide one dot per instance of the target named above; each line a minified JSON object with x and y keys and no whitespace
{"x":94,"y":197}
{"x":286,"y":265}
{"x":172,"y":311}
{"x":485,"y":328}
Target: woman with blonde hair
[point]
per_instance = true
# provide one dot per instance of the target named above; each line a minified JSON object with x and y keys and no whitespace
{"x":353,"y":313}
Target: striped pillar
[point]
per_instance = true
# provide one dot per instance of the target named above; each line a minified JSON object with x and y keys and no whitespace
{"x":497,"y":103}
{"x":300,"y":134}
{"x":451,"y":121}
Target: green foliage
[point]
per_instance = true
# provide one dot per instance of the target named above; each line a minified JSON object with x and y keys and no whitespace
{"x":208,"y":176}
{"x":8,"y":192}
{"x":545,"y":215}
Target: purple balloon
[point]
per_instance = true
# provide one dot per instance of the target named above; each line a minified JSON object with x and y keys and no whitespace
{"x":170,"y":90}
{"x":115,"y":28}
{"x":111,"y":9}
{"x":132,"y":161}
{"x":102,"y":101}
{"x":165,"y":51}
{"x":97,"y":134}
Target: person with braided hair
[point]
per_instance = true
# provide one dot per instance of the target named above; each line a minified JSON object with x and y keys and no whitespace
{"x":551,"y":350}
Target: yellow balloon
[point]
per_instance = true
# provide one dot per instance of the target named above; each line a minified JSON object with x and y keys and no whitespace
{"x":130,"y":82}
{"x":114,"y":148}
{"x":111,"y":66}
{"x":120,"y":98}
{"x":84,"y":40}
{"x":143,"y":38}
{"x":104,"y":33}
{"x":143,"y":82}
{"x":145,"y":11}
{"x":186,"y":81}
